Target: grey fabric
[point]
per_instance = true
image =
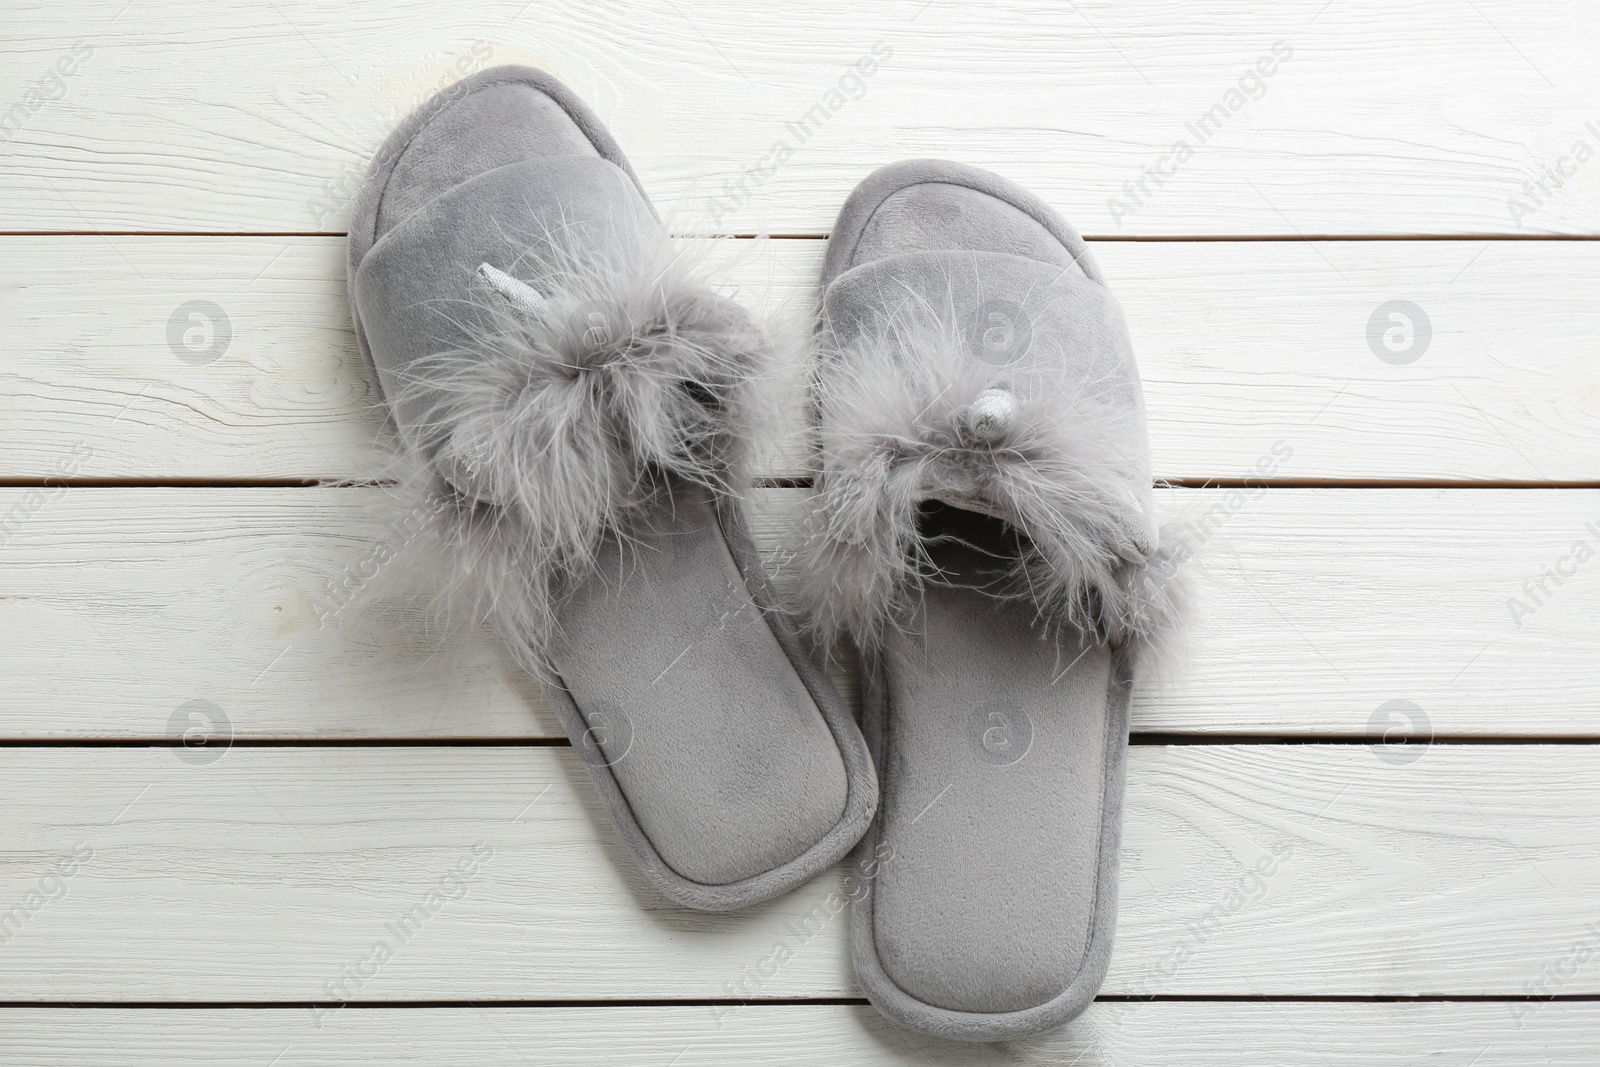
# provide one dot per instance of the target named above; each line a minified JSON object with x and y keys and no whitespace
{"x":987,"y":887}
{"x":726,"y":757}
{"x":990,"y":906}
{"x":989,"y":379}
{"x":920,"y":205}
{"x":936,"y":216}
{"x":957,"y":703}
{"x":418,"y":291}
{"x":1077,"y":348}
{"x":529,"y":134}
{"x":498,"y":124}
{"x":725,"y":762}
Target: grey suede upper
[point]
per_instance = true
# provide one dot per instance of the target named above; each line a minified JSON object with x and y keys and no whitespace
{"x":1078,"y":341}
{"x":418,"y":291}
{"x":501,"y":123}
{"x":935,"y":215}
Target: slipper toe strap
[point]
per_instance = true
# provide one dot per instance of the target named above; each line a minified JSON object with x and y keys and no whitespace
{"x":994,"y":384}
{"x":552,"y":364}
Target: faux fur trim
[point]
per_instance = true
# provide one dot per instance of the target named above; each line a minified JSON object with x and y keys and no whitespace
{"x":559,"y":424}
{"x":896,"y":431}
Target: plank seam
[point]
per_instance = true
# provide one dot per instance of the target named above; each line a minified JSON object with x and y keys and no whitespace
{"x":1150,"y":740}
{"x":792,"y":483}
{"x":382,"y":1005}
{"x":1265,"y":238}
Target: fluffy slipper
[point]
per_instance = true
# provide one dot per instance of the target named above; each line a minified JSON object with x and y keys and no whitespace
{"x":579,"y":403}
{"x":982,"y":528}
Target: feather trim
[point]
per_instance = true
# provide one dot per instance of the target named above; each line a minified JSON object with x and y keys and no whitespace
{"x":560,"y":422}
{"x":908,"y":416}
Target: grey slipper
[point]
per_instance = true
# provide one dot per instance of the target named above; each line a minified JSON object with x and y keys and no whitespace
{"x":982,"y":529}
{"x":578,"y":403}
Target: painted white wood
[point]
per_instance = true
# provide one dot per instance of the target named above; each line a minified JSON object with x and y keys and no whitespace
{"x":1315,"y":608}
{"x":244,"y":873}
{"x":285,"y":873}
{"x":1244,"y":347}
{"x":1371,"y":118}
{"x":1109,"y":1034}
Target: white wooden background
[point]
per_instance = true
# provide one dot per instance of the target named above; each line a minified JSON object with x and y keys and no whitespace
{"x":1405,"y":551}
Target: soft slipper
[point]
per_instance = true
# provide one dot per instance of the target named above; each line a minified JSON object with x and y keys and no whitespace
{"x":982,"y":529}
{"x":580,"y":403}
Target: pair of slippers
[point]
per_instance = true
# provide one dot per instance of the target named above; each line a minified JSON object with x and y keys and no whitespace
{"x":581,"y":405}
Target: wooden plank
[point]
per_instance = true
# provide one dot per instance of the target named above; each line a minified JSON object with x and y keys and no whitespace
{"x":1316,"y":610}
{"x":1255,"y":357}
{"x":277,"y":874}
{"x":1160,"y":1034}
{"x":1298,"y":118}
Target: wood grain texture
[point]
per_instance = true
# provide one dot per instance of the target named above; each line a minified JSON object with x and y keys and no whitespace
{"x":1315,"y":609}
{"x":134,"y":872}
{"x":276,"y":873}
{"x":261,"y":117}
{"x":1160,"y":1034}
{"x":1244,"y":348}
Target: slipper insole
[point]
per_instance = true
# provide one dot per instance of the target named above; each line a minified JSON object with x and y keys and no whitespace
{"x":995,"y":765}
{"x":726,"y":762}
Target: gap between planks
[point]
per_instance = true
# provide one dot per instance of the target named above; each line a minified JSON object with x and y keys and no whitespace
{"x":1222,"y":238}
{"x":1164,"y":739}
{"x":703,"y":1002}
{"x":799,"y":483}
